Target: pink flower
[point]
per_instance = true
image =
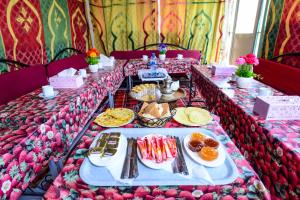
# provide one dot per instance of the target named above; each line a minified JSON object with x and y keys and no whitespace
{"x":252,"y":60}
{"x":240,"y":61}
{"x":250,"y":55}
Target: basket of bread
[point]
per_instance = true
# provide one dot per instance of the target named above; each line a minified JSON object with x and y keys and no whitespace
{"x":154,"y":114}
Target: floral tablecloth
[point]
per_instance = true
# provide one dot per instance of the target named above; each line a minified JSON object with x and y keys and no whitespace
{"x":68,"y":185}
{"x":172,"y":65}
{"x":32,"y":130}
{"x":272,"y":147}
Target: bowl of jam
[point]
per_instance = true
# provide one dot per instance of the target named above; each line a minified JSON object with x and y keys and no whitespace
{"x":209,"y":142}
{"x":195,"y":145}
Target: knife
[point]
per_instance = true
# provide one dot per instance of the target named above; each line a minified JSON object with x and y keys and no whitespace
{"x":126,"y":165}
{"x":133,"y":173}
{"x":183,"y":167}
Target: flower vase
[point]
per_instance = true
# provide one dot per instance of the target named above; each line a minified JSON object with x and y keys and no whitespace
{"x":243,"y":82}
{"x":94,"y":68}
{"x":162,"y":56}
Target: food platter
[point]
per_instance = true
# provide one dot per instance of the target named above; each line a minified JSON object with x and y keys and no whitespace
{"x":195,"y":156}
{"x":116,"y":117}
{"x":192,"y":116}
{"x":151,"y":163}
{"x":96,"y":160}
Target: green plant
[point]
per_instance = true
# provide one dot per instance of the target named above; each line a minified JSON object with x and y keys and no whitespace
{"x":245,"y":71}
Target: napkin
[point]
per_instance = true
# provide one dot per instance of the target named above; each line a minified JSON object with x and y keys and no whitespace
{"x":67,"y":72}
{"x":116,"y":169}
{"x":195,"y":171}
{"x":106,"y":61}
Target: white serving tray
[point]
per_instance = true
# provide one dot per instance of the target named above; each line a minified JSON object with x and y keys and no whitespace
{"x":100,"y":176}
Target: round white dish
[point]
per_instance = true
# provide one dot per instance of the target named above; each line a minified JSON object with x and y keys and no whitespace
{"x":194,"y":155}
{"x":41,"y":95}
{"x":152,"y":163}
{"x":106,"y":161}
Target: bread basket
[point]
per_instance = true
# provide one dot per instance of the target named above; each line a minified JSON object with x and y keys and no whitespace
{"x":153,"y":122}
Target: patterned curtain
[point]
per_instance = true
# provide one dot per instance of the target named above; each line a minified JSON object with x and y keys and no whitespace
{"x":123,"y":25}
{"x":282,"y":34}
{"x":126,"y":25}
{"x":33,"y":31}
{"x":194,"y":24}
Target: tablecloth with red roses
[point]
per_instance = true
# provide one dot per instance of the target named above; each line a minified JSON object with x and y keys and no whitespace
{"x":272,"y":147}
{"x":172,"y":65}
{"x":33,"y":130}
{"x":68,"y":184}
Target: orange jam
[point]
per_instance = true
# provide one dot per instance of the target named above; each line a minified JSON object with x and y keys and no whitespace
{"x":208,"y":153}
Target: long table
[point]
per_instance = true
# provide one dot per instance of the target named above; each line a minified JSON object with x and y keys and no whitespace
{"x":34,"y":130}
{"x":272,"y":147}
{"x":68,"y":184}
{"x":172,"y":65}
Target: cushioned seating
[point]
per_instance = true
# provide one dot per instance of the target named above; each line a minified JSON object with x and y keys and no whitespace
{"x":170,"y":54}
{"x":279,"y":76}
{"x":17,"y":83}
{"x":75,"y":61}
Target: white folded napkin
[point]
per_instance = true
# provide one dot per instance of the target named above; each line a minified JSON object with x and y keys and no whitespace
{"x":67,"y":72}
{"x":195,"y":171}
{"x":106,"y":61}
{"x":116,"y":169}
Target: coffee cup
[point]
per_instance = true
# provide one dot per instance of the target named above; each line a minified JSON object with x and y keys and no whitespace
{"x":145,"y":58}
{"x":263,"y":91}
{"x":48,"y":91}
{"x":179,"y":56}
{"x":82,"y":72}
{"x":93,"y":68}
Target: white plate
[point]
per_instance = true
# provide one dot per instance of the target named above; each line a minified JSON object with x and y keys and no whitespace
{"x":152,"y":163}
{"x":55,"y":94}
{"x":125,"y":123}
{"x":187,"y":122}
{"x":194,"y":155}
{"x":105,"y":161}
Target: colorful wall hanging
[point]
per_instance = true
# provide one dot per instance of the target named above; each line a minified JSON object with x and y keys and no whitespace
{"x":33,"y":31}
{"x":127,"y":25}
{"x":282,"y":33}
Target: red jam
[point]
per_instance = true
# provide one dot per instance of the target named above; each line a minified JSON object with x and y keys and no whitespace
{"x":211,"y":143}
{"x":195,"y":146}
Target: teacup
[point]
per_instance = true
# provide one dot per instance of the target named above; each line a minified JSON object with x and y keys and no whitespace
{"x":82,"y":72}
{"x":179,"y":56}
{"x":48,"y":91}
{"x":145,"y":58}
{"x":263,"y":91}
{"x":93,"y":68}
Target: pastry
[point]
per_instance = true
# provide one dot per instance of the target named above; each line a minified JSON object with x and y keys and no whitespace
{"x":155,"y":110}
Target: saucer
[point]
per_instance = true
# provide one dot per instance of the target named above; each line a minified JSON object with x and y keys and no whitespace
{"x":55,"y":94}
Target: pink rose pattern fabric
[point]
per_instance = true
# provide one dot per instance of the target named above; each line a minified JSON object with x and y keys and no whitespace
{"x":172,"y":65}
{"x":34,"y":130}
{"x":68,"y":185}
{"x":271,"y":147}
